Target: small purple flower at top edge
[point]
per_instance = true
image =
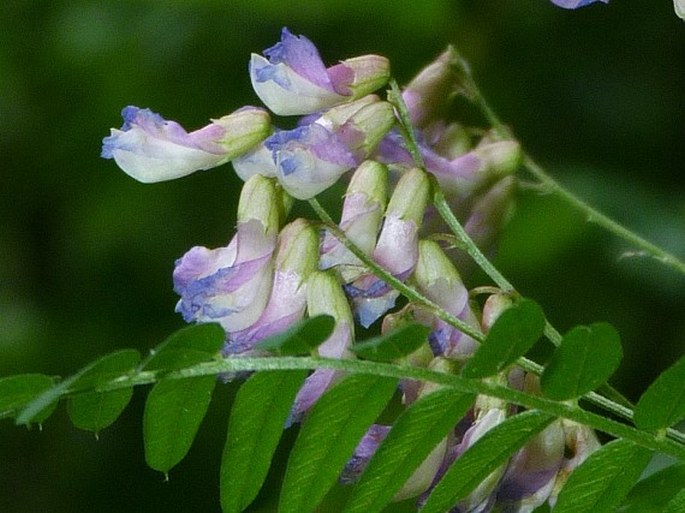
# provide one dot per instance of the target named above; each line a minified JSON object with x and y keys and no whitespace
{"x":231,"y":285}
{"x":574,"y":4}
{"x":152,"y":149}
{"x":295,"y":81}
{"x":296,"y":259}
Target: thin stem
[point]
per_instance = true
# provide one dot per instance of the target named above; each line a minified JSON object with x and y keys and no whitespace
{"x":401,"y":287}
{"x":592,"y":214}
{"x":485,"y":387}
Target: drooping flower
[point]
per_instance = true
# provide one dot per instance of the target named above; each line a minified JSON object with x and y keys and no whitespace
{"x":437,"y":278}
{"x":231,"y":285}
{"x":152,"y":149}
{"x":293,"y":80}
{"x":325,"y":297}
{"x":312,"y":157}
{"x":397,"y":247}
{"x":362,"y":213}
{"x":296,"y":259}
{"x":574,"y":4}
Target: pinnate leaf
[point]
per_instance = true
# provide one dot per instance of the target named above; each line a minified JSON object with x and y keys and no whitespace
{"x":413,"y":436}
{"x":491,"y":451}
{"x":17,"y":391}
{"x":328,"y":438}
{"x":394,"y":345}
{"x":259,"y":412}
{"x":187,"y":347}
{"x":586,"y":358}
{"x":663,"y":403}
{"x":92,"y":375}
{"x":604,"y":479}
{"x":512,"y":335}
{"x":173,"y":413}
{"x":301,"y":338}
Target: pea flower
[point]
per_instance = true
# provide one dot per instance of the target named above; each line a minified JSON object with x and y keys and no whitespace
{"x":396,"y":249}
{"x":324,"y":296}
{"x":152,"y":149}
{"x":293,"y":80}
{"x":679,"y":6}
{"x":574,"y":4}
{"x":440,"y":282}
{"x":362,"y":214}
{"x":231,"y":285}
{"x":312,"y":157}
{"x":296,"y":259}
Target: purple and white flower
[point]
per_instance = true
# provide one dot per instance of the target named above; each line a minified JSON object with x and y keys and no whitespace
{"x":293,"y":80}
{"x":396,"y":250}
{"x":231,"y":285}
{"x":574,"y":4}
{"x":296,"y":259}
{"x":325,"y":297}
{"x":152,"y":149}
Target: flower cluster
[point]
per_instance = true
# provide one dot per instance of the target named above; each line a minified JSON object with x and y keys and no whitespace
{"x":273,"y":273}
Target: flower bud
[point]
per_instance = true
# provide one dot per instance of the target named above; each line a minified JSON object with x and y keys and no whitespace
{"x":493,"y":308}
{"x":152,"y":149}
{"x":325,"y":297}
{"x":369,"y":73}
{"x":231,"y":285}
{"x":296,"y":260}
{"x":397,"y":247}
{"x":430,"y":92}
{"x":501,"y":158}
{"x":362,"y":213}
{"x":365,"y":129}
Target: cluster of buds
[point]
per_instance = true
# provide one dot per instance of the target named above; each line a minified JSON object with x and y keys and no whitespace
{"x":273,"y":273}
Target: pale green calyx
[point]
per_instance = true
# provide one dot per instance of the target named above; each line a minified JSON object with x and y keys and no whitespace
{"x":410,"y":198}
{"x":326,"y":297}
{"x":371,"y":179}
{"x":260,"y":199}
{"x":298,"y":250}
{"x":374,"y":121}
{"x":434,"y":265}
{"x":371,"y":72}
{"x":245,"y":128}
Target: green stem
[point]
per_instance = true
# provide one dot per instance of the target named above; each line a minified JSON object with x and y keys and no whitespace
{"x":485,"y":387}
{"x":591,"y":214}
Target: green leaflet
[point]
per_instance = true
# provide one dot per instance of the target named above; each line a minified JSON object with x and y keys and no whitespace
{"x":173,"y":413}
{"x":586,"y":358}
{"x":677,"y":504}
{"x":394,"y":345}
{"x":95,"y":373}
{"x":651,"y":495}
{"x":186,"y":347}
{"x":485,"y":456}
{"x":328,"y":437}
{"x":413,"y":436}
{"x":663,"y":403}
{"x":301,"y":338}
{"x":17,"y":391}
{"x":259,"y":412}
{"x":603,"y":480}
{"x":92,"y":410}
{"x":512,"y":335}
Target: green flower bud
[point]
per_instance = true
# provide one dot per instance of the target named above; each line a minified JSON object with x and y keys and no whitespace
{"x":261,"y":199}
{"x":410,"y":197}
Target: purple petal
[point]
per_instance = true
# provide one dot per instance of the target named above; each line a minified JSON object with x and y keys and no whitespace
{"x":362,"y":454}
{"x":574,"y":4}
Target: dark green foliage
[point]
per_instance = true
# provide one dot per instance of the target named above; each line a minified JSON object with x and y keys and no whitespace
{"x":17,"y":391}
{"x":663,"y":403}
{"x":653,"y":493}
{"x":485,"y":456}
{"x":301,"y":338}
{"x":603,"y":480}
{"x":512,"y":335}
{"x":257,"y":418}
{"x":328,"y":437}
{"x":186,"y":347}
{"x":173,"y":413}
{"x":586,"y":358}
{"x":394,"y":345}
{"x":415,"y":433}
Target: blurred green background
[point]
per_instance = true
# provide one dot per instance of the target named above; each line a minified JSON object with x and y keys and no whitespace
{"x":86,"y":253}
